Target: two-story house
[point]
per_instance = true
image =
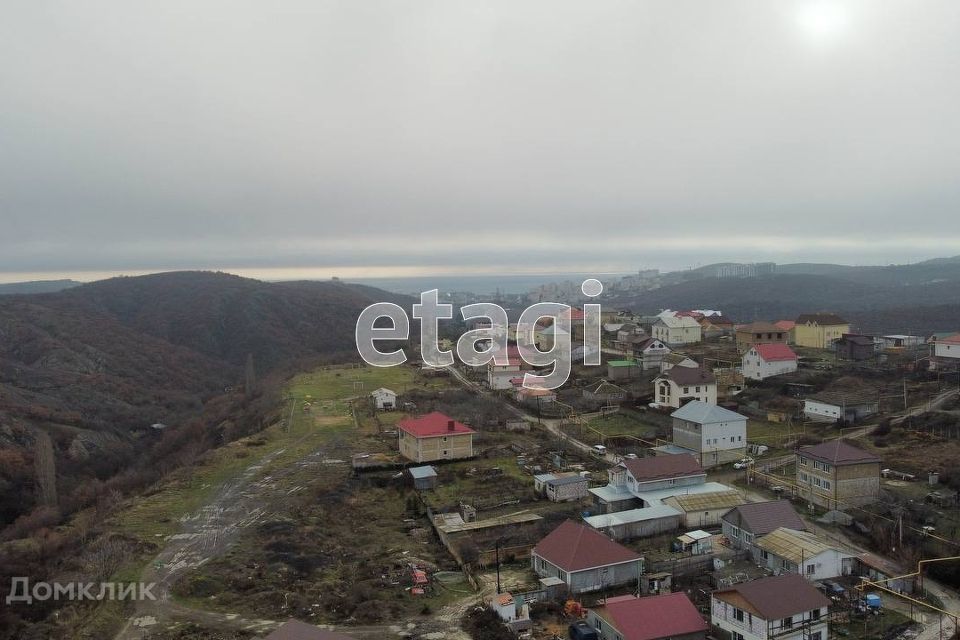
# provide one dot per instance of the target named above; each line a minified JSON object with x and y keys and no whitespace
{"x":786,"y":607}
{"x":744,"y":524}
{"x":764,"y":361}
{"x":434,"y":436}
{"x":650,"y":352}
{"x":836,"y":475}
{"x":946,"y":353}
{"x":819,"y":330}
{"x":631,"y":477}
{"x":714,"y":435}
{"x":755,"y":333}
{"x":670,"y":616}
{"x":675,"y":330}
{"x":679,"y":385}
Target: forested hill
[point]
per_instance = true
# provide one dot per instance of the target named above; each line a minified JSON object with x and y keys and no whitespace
{"x":95,"y":365}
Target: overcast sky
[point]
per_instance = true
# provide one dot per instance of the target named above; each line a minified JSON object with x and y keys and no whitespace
{"x":390,"y":138}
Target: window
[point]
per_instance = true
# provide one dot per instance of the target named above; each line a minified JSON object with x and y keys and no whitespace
{"x":787,"y":623}
{"x":738,"y":615}
{"x":811,"y":569}
{"x":737,"y":636}
{"x":826,"y":484}
{"x":803,"y":461}
{"x":817,"y":635}
{"x":815,"y":615}
{"x":686,"y":389}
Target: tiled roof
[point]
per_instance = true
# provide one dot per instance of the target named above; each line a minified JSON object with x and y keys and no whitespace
{"x":760,"y":518}
{"x":433,"y":425}
{"x":778,"y":597}
{"x":785,"y":325}
{"x":574,"y":547}
{"x":775,"y":352}
{"x":689,"y":375}
{"x":954,"y":339}
{"x":662,"y":467}
{"x":669,"y":615}
{"x":838,"y":452}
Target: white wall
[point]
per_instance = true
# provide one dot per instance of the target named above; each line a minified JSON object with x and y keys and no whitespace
{"x":756,"y":368}
{"x":944,"y":350}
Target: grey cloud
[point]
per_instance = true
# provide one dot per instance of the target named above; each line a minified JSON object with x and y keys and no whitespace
{"x":245,"y":134}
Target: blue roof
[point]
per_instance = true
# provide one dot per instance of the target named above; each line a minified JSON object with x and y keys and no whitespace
{"x":422,"y":472}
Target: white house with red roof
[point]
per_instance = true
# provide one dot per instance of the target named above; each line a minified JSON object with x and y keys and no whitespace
{"x":434,"y":436}
{"x":766,"y":360}
{"x":668,"y":616}
{"x":585,"y":559}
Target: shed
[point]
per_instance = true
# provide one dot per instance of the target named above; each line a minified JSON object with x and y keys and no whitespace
{"x":424,"y":478}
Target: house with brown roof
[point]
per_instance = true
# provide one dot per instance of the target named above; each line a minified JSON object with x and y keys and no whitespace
{"x":585,"y":559}
{"x":680,"y":385}
{"x":836,"y":475}
{"x":786,"y":607}
{"x":759,"y":333}
{"x":649,"y":352}
{"x":852,"y":346}
{"x":819,"y":330}
{"x":668,"y":616}
{"x":742,"y":525}
{"x":630,"y":477}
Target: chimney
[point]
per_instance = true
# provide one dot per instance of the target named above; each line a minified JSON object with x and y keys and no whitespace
{"x":451,"y":425}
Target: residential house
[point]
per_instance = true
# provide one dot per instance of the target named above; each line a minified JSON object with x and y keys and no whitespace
{"x":836,"y":475}
{"x":296,"y":630}
{"x":842,"y":405}
{"x":713,"y":434}
{"x":786,"y":607}
{"x":585,"y":559}
{"x":786,"y":550}
{"x":671,"y":360}
{"x":767,"y":360}
{"x":852,"y":346}
{"x":819,"y":330}
{"x":650,"y":352}
{"x":670,"y":616}
{"x":715,"y":326}
{"x":561,"y":487}
{"x":744,"y":524}
{"x":434,"y":436}
{"x":424,"y":478}
{"x":619,"y":370}
{"x":384,"y":399}
{"x":788,"y":326}
{"x":567,"y":489}
{"x":634,"y":503}
{"x":748,"y":335}
{"x":704,"y":509}
{"x":675,"y":330}
{"x":680,"y":385}
{"x":946,"y":353}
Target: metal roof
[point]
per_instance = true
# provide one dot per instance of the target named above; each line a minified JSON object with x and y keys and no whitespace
{"x":705,"y":413}
{"x":631,"y":516}
{"x":795,"y":546}
{"x":566,"y":480}
{"x":422,"y":472}
{"x":707,"y":501}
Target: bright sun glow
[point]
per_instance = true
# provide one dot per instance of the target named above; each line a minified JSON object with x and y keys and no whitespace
{"x":822,"y":19}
